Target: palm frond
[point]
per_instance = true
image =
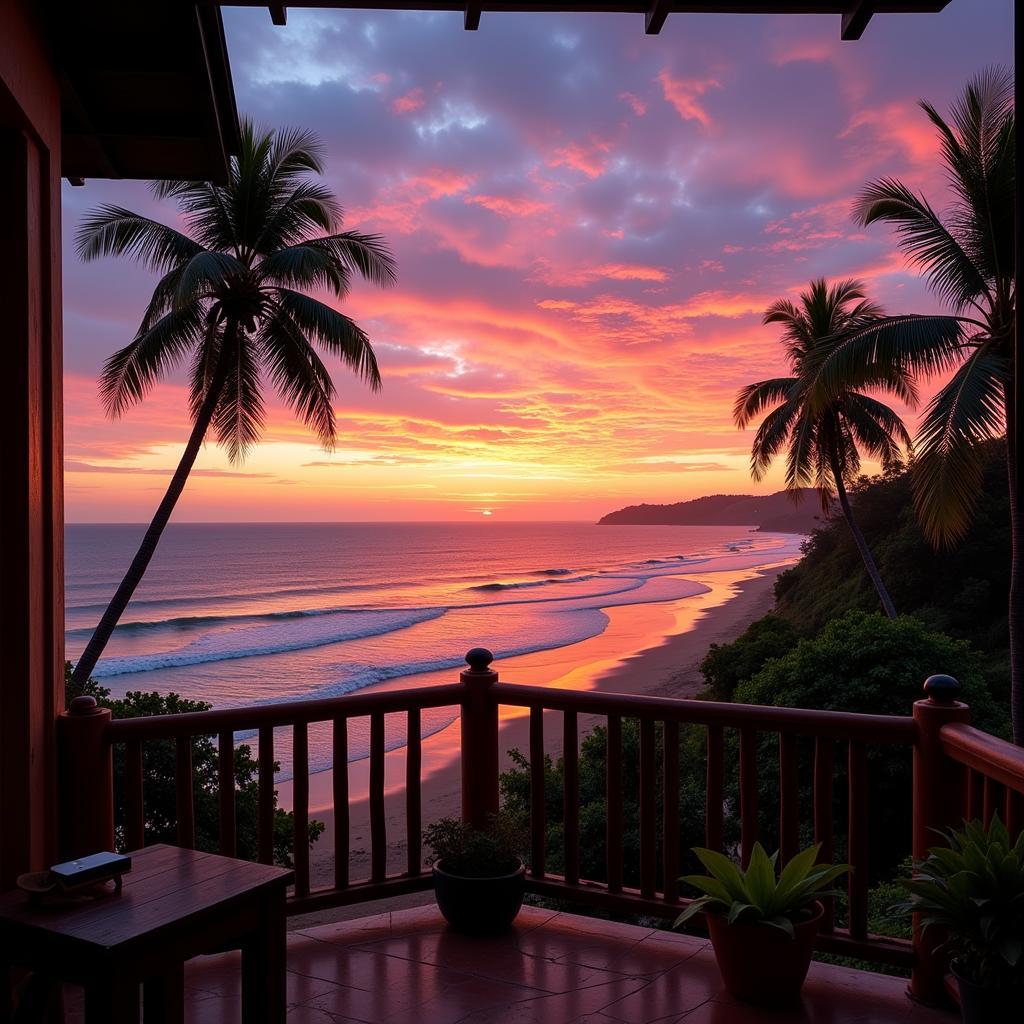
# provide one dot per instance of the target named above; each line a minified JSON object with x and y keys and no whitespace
{"x":771,"y":438}
{"x":755,"y":397}
{"x":894,"y":345}
{"x":299,"y":376}
{"x":948,"y":468}
{"x":365,"y":254}
{"x":114,"y":231}
{"x":206,"y":273}
{"x":241,"y":414}
{"x":334,"y":332}
{"x":877,"y":428}
{"x":927,"y":242}
{"x":130,"y":372}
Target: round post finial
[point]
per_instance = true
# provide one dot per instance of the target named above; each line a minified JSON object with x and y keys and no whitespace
{"x":941,"y":689}
{"x":479,"y":659}
{"x":84,"y":705}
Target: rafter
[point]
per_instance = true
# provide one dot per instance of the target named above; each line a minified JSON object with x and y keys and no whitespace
{"x":472,"y":19}
{"x":856,"y":18}
{"x":655,"y":16}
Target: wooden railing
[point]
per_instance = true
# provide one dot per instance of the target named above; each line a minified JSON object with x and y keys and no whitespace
{"x":957,"y":770}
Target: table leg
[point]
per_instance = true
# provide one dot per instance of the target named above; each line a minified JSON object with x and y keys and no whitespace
{"x":264,"y":965}
{"x":112,"y":1000}
{"x":163,"y":997}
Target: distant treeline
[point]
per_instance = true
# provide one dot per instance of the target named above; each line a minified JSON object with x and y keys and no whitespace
{"x":782,"y":512}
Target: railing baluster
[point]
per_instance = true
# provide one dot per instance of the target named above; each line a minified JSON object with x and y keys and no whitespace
{"x":789,"y":798}
{"x":715,"y":796}
{"x":571,"y":797}
{"x":975,"y":795}
{"x":857,"y":833}
{"x":824,"y":757}
{"x":538,"y":816}
{"x":670,"y":810}
{"x":265,"y":796}
{"x":134,"y":815}
{"x":748,"y":793}
{"x":648,"y":820}
{"x":183,"y":805}
{"x":378,"y":824}
{"x":613,"y":784}
{"x":413,"y":823}
{"x":300,"y":793}
{"x":226,"y":791}
{"x":988,"y":800}
{"x":340,"y":799}
{"x":1014,"y":813}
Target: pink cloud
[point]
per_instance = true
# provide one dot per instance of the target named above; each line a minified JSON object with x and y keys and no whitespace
{"x":683,"y":94}
{"x":590,"y":158}
{"x":510,"y":206}
{"x":639,"y":106}
{"x":413,"y":100}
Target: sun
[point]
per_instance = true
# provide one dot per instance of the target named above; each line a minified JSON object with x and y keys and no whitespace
{"x":486,"y":512}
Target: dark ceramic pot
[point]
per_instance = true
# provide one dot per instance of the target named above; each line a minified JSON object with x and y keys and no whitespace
{"x":479,"y":906}
{"x":981,"y":1005}
{"x":761,"y":964}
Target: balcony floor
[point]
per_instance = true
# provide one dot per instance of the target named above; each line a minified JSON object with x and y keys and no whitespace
{"x":552,"y":968}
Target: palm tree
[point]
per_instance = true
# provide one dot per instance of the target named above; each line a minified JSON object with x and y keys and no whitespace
{"x":229,"y":301}
{"x":822,"y":440}
{"x":968,"y":258}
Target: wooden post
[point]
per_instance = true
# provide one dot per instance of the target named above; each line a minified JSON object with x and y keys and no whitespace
{"x":938,"y":803}
{"x":479,"y":739}
{"x":86,"y":776}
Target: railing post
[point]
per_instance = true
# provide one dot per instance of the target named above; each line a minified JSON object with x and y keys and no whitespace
{"x":938,"y":804}
{"x":479,"y":739}
{"x":86,"y":780}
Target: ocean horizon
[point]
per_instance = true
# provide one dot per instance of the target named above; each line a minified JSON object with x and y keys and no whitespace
{"x":246,"y":613}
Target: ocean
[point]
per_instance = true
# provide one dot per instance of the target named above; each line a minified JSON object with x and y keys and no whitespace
{"x":238,"y":614}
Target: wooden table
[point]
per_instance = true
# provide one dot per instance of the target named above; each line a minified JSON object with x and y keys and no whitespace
{"x":176,"y":904}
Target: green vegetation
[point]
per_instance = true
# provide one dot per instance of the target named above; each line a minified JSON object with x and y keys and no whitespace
{"x":762,"y":894}
{"x":972,"y":890}
{"x":158,"y":766}
{"x":478,"y":853}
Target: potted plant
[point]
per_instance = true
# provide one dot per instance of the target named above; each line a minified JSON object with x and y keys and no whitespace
{"x":973,"y":889}
{"x":762,"y":922}
{"x":479,"y":876}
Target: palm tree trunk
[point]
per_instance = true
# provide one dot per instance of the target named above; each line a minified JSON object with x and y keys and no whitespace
{"x":862,"y":544}
{"x":1016,"y":571}
{"x":133,"y":577}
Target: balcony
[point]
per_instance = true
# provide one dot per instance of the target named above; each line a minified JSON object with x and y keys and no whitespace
{"x":558,"y":966}
{"x":553,"y":968}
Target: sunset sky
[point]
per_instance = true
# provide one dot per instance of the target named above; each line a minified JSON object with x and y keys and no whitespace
{"x":588,"y":223}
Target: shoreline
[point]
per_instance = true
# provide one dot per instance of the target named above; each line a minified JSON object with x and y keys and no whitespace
{"x":652,"y":648}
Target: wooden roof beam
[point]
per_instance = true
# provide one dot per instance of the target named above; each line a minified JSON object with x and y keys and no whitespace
{"x":279,"y":14}
{"x":654,"y":18}
{"x":472,"y":17}
{"x":856,"y":18}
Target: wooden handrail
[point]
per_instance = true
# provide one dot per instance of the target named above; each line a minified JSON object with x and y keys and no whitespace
{"x":986,"y":754}
{"x":796,"y":721}
{"x":285,"y":713}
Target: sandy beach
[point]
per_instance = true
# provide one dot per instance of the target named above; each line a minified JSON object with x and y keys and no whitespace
{"x":645,"y":649}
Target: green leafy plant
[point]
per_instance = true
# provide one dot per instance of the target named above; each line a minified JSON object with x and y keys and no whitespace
{"x":761,"y":894}
{"x":477,"y":853}
{"x":973,"y":888}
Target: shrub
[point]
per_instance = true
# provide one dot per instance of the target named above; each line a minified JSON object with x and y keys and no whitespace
{"x":476,"y":853}
{"x":158,"y":767}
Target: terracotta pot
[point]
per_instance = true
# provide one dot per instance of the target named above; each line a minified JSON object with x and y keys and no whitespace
{"x":761,"y":964}
{"x":479,"y":906}
{"x":981,"y":1005}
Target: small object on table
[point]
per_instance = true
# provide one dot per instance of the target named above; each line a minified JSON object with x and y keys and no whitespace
{"x":86,"y":878}
{"x":177,"y":904}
